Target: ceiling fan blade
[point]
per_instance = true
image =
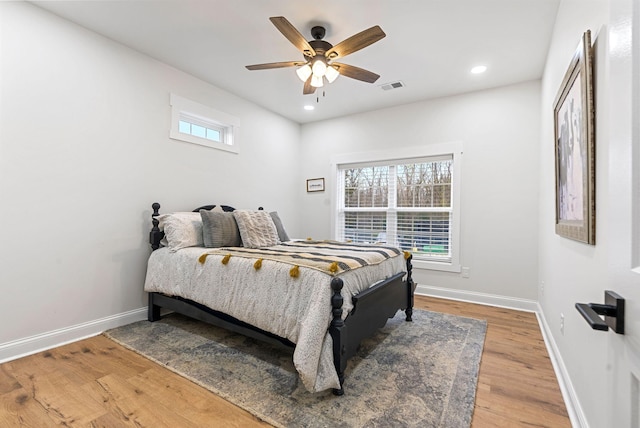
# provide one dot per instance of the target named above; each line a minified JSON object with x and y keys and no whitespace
{"x":356,"y":72}
{"x":355,"y":43}
{"x":293,"y":35}
{"x":308,"y":89}
{"x":275,"y":65}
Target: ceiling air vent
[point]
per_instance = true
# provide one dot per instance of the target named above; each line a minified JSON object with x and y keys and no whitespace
{"x":392,"y":85}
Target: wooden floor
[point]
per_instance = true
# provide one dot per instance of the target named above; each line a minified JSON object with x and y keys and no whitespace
{"x":97,"y":383}
{"x":517,"y":386}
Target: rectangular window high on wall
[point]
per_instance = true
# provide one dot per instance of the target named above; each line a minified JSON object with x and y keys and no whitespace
{"x":200,"y":124}
{"x":408,"y":202}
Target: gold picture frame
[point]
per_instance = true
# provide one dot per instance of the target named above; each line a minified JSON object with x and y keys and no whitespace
{"x":574,"y":132}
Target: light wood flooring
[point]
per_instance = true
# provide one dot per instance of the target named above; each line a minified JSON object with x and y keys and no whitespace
{"x":97,"y":383}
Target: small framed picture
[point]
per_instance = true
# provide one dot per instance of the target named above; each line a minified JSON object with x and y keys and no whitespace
{"x":315,"y":185}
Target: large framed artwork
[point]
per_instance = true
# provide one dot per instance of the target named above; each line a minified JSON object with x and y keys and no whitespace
{"x":574,"y":120}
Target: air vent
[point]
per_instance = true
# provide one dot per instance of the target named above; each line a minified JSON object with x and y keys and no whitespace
{"x":392,"y":85}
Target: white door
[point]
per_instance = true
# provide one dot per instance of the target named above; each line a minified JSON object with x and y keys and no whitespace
{"x":622,"y":397}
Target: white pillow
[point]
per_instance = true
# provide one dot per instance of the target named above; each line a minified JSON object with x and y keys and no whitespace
{"x":181,"y":230}
{"x":257,"y":229}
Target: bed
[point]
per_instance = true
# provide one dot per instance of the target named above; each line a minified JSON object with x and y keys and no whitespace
{"x":238,"y":269}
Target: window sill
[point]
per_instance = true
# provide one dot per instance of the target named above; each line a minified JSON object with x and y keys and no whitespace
{"x":202,"y":141}
{"x":429,"y":265}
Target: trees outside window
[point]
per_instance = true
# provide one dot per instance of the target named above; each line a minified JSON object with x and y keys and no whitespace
{"x":407,"y":203}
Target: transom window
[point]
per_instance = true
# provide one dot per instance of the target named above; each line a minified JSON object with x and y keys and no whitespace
{"x":200,"y":124}
{"x":198,"y":129}
{"x":408,"y":203}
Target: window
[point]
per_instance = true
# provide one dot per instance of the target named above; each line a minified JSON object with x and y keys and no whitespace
{"x":197,"y":128}
{"x":409,"y":202}
{"x":199,"y":124}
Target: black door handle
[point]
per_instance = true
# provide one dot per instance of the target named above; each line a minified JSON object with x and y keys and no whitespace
{"x":613,"y":311}
{"x":591,"y":316}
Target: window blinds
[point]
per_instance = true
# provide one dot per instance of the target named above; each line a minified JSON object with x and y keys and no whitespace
{"x":406,"y":203}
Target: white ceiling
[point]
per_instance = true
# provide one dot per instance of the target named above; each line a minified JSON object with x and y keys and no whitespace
{"x":430,"y":45}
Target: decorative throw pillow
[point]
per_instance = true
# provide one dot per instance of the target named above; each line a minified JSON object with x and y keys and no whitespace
{"x":282,"y":234}
{"x":181,"y":230}
{"x":256,"y":228}
{"x":219,"y":229}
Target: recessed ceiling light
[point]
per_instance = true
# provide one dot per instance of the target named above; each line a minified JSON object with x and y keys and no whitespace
{"x":479,"y":69}
{"x":309,"y":107}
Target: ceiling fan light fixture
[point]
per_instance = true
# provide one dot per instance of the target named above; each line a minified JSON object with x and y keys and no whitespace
{"x":319,"y":54}
{"x":331,"y":74}
{"x":316,"y":81}
{"x":304,"y":72}
{"x":319,"y":67}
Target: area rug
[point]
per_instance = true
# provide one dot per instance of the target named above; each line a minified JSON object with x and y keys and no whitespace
{"x":411,"y":374}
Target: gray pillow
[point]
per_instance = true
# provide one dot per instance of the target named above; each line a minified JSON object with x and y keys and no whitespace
{"x":282,"y":234}
{"x":219,"y":229}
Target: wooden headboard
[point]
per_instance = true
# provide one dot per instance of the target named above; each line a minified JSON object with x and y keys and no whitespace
{"x":156,"y":235}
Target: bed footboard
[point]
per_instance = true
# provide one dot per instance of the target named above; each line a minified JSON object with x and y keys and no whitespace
{"x":372,"y":308}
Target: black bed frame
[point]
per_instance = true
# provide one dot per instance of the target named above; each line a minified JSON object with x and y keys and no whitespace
{"x":371,"y":309}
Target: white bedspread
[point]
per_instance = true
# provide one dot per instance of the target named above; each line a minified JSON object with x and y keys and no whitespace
{"x":297,"y":309}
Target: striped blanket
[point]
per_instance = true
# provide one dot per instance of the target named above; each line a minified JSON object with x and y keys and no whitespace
{"x":331,"y":257}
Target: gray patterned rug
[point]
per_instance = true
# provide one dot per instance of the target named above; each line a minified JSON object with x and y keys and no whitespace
{"x":418,"y":374}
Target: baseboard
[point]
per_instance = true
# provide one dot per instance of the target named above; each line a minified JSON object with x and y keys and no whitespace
{"x":41,"y":342}
{"x":526,"y":305}
{"x":576,"y":414}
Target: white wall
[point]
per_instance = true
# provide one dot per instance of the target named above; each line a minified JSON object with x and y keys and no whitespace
{"x":571,"y":271}
{"x":84,"y":151}
{"x":499,"y":130}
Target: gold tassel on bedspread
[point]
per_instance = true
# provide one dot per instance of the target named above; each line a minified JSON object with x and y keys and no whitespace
{"x":294,"y":272}
{"x":333,"y":268}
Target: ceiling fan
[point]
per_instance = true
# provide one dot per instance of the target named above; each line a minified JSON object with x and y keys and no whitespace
{"x":319,"y":55}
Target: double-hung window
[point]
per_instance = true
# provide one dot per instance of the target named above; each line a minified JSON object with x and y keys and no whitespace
{"x":408,"y":202}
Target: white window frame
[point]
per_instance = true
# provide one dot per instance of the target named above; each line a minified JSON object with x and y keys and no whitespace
{"x":183,"y":109}
{"x":453,"y":149}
